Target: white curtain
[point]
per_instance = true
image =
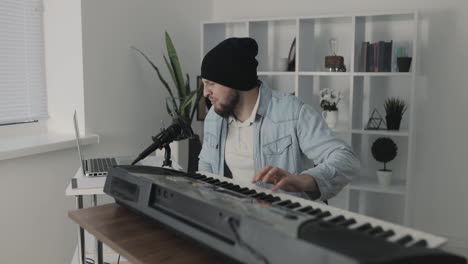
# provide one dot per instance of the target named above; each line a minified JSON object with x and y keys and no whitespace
{"x":22,"y":69}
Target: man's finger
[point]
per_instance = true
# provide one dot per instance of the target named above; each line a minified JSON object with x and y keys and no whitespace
{"x":272,"y":173}
{"x":261,"y":174}
{"x":280,"y":185}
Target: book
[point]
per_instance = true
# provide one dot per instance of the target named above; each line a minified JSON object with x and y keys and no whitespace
{"x":380,"y":66}
{"x":387,"y":59}
{"x":364,"y":47}
{"x":375,"y":64}
{"x":370,"y":58}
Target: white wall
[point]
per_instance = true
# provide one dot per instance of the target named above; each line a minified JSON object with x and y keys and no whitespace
{"x":34,"y":224}
{"x":64,"y":63}
{"x":439,"y":196}
{"x":124,"y":99}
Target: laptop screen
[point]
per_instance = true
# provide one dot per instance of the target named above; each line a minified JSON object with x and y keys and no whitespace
{"x":78,"y":142}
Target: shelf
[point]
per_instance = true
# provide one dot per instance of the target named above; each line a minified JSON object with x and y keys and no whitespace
{"x":370,"y":74}
{"x":403,"y":133}
{"x":324,"y":73}
{"x":371,"y":185}
{"x":278,"y":73}
{"x":362,"y":91}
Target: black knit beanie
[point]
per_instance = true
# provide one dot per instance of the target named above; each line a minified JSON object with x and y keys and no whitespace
{"x":232,"y":63}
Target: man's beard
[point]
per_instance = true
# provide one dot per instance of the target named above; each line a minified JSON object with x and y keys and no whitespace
{"x":225,"y":110}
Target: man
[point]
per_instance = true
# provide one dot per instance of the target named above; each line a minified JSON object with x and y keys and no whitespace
{"x":257,"y":135}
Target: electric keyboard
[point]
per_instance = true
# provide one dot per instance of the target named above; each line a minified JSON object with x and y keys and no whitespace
{"x":254,"y":225}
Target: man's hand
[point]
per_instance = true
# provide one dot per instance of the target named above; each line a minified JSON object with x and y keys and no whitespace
{"x":285,"y":181}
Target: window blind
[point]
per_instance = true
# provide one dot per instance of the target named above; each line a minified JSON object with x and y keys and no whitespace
{"x":23,"y":94}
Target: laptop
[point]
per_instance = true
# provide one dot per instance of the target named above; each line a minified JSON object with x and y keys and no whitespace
{"x":96,"y":167}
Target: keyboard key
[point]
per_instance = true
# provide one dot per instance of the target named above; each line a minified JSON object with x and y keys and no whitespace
{"x":375,"y":230}
{"x":363,"y":227}
{"x":324,"y":214}
{"x":213,"y":181}
{"x":283,"y":203}
{"x":315,"y":211}
{"x":235,"y":188}
{"x":293,"y":205}
{"x":420,"y":243}
{"x":259,"y":195}
{"x":207,"y":179}
{"x":250,"y":192}
{"x":273,"y":199}
{"x":337,"y":219}
{"x":348,"y":222}
{"x":306,"y":209}
{"x":404,"y":240}
{"x":386,"y":234}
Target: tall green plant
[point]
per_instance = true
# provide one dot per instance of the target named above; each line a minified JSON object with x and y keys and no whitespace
{"x":182,"y":104}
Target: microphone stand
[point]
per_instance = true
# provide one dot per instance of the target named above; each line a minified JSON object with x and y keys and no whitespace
{"x":167,"y":157}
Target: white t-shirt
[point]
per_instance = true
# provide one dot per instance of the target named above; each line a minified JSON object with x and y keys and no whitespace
{"x":239,"y":150}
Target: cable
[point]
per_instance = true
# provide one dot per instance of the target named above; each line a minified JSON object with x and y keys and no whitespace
{"x":234,"y":224}
{"x":118,"y":260}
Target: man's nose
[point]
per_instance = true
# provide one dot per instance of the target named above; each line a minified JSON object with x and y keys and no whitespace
{"x":206,"y":91}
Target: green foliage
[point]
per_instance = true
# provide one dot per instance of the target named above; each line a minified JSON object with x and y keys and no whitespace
{"x":384,"y":150}
{"x":182,"y":104}
{"x":395,"y":107}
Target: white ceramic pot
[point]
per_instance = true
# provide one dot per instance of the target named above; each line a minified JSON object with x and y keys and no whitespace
{"x":331,"y":117}
{"x":179,"y":151}
{"x":384,"y":177}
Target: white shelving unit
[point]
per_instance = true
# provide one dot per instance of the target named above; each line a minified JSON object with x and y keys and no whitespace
{"x":363,"y":91}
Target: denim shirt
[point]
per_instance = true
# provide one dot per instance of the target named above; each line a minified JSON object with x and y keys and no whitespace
{"x":291,"y":135}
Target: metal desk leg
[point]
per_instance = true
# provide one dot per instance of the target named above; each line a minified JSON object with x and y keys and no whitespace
{"x":99,"y":255}
{"x":81,"y":234}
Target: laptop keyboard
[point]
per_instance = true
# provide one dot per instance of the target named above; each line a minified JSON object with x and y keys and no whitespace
{"x":102,"y":164}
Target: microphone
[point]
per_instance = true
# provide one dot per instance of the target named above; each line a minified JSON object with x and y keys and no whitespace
{"x":177,"y":131}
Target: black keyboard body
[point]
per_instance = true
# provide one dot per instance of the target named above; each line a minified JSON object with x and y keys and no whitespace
{"x":255,"y":227}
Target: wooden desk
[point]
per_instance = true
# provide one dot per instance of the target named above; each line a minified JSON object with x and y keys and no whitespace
{"x":138,"y":238}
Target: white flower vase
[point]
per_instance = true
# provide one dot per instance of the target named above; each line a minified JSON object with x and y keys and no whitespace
{"x":384,"y":177}
{"x":331,"y":117}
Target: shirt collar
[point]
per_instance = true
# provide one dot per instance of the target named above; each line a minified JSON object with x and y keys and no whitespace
{"x":232,"y":120}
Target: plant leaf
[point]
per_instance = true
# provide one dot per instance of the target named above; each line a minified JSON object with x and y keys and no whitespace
{"x":159,"y":75}
{"x":185,"y":106}
{"x":168,"y":109}
{"x":187,"y":91}
{"x":171,"y":71}
{"x":171,"y":51}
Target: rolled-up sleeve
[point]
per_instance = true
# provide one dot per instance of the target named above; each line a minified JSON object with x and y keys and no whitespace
{"x":335,"y":160}
{"x":203,"y":160}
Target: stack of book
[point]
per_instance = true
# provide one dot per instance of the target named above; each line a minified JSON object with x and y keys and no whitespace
{"x":376,"y":57}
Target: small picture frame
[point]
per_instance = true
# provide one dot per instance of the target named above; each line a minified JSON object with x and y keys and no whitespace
{"x":203,"y":103}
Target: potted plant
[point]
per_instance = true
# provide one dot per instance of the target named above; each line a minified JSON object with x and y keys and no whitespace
{"x":384,"y":150}
{"x":403,"y":60}
{"x":180,"y":104}
{"x":329,"y":100}
{"x":394,"y":109}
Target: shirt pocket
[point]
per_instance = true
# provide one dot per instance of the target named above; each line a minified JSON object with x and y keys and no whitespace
{"x":211,"y":140}
{"x":277,"y":147}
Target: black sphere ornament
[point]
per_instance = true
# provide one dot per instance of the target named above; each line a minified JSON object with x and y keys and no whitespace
{"x":384,"y":150}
